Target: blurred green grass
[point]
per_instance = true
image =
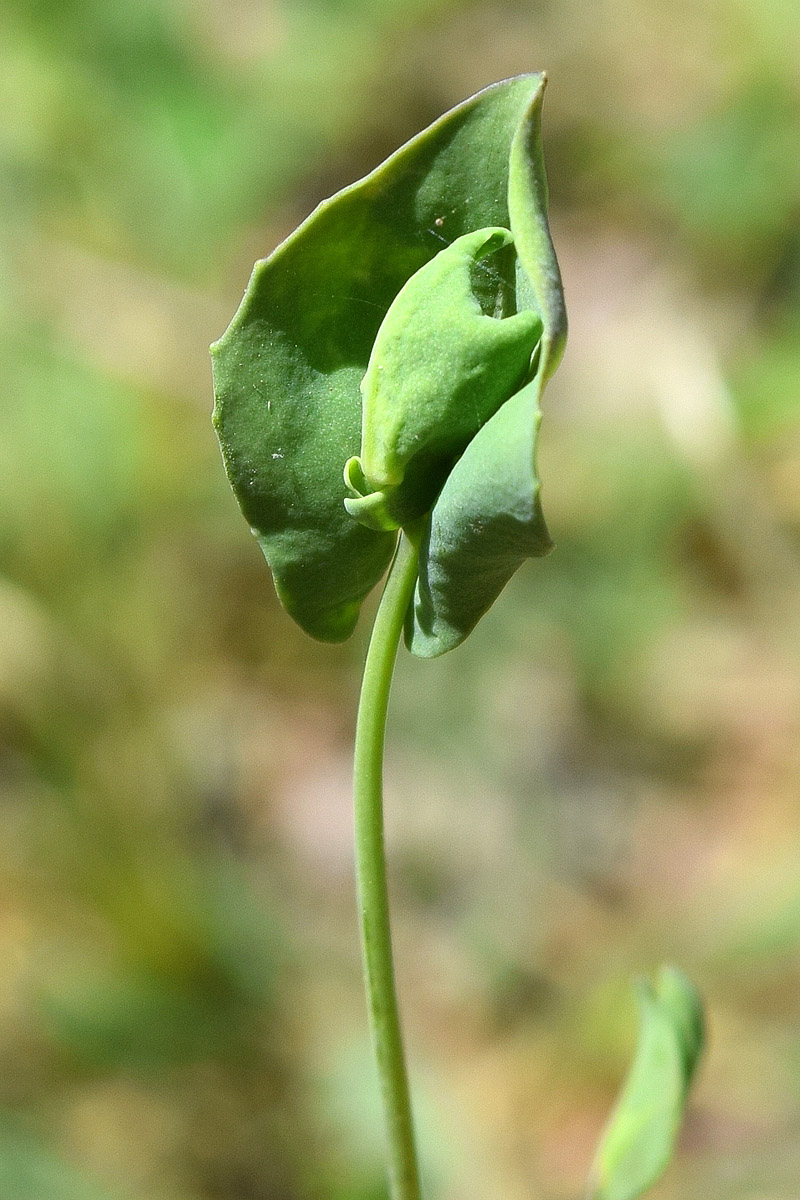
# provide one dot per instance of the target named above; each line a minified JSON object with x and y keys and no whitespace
{"x":603,"y":778}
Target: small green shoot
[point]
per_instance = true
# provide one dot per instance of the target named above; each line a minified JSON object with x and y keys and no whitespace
{"x":640,"y":1137}
{"x":377,"y":401}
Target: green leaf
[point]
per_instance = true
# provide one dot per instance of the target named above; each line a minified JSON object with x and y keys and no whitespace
{"x":440,"y":367}
{"x":288,"y":369}
{"x":488,"y":517}
{"x":640,"y":1137}
{"x":486,"y":522}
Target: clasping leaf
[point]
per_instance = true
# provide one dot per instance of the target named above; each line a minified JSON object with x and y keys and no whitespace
{"x":371,"y":356}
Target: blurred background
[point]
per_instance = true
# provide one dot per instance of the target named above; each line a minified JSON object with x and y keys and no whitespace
{"x":604,"y":777}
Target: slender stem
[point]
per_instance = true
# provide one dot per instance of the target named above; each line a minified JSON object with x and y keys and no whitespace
{"x":373,"y":900}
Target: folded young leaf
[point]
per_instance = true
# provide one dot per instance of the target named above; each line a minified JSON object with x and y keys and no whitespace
{"x":439,"y":368}
{"x":640,"y":1137}
{"x":288,"y":369}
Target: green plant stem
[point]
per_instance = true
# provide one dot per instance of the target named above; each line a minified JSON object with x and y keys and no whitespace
{"x":373,"y":899}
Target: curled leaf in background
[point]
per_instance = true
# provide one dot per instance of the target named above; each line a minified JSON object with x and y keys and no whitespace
{"x":437,"y":272}
{"x":640,"y":1137}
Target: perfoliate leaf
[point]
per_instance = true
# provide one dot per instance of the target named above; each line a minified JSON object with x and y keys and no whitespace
{"x":640,"y":1137}
{"x":486,"y":521}
{"x":288,"y":370}
{"x":488,"y":516}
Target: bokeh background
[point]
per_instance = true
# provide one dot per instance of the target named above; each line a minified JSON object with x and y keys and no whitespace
{"x":604,"y":777}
